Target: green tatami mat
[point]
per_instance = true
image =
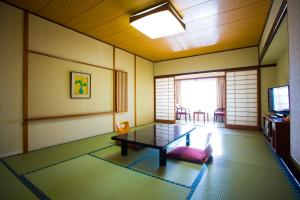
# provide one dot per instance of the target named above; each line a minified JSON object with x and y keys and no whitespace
{"x":249,"y":133}
{"x":177,"y":171}
{"x":240,"y":148}
{"x":236,"y":181}
{"x":11,"y":187}
{"x":25,"y":163}
{"x":87,"y":177}
{"x":113,"y":154}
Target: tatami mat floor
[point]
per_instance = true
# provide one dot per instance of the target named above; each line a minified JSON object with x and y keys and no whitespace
{"x":243,"y":167}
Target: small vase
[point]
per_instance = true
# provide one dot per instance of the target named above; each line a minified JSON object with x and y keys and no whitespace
{"x":80,"y":90}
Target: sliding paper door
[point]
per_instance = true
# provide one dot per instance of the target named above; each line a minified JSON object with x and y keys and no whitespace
{"x":165,"y":100}
{"x":242,"y":99}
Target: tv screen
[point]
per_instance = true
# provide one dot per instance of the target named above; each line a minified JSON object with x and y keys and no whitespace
{"x":279,"y":100}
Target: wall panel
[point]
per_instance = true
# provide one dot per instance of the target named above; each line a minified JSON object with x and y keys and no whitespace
{"x":215,"y":61}
{"x":49,"y":84}
{"x":273,"y":12}
{"x":294,"y":61}
{"x":50,"y":38}
{"x":144,"y":91}
{"x":52,"y":132}
{"x":49,"y":88}
{"x":11,"y":57}
{"x":125,"y":62}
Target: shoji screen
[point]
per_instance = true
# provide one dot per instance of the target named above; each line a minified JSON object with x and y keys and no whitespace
{"x":241,"y":99}
{"x":164,"y":99}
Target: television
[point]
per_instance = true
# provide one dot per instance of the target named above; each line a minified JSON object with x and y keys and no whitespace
{"x":279,"y":100}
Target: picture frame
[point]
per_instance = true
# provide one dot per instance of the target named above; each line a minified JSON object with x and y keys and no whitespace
{"x":80,"y":85}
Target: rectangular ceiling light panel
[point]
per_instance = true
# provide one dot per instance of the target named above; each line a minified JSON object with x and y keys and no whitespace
{"x":159,"y":21}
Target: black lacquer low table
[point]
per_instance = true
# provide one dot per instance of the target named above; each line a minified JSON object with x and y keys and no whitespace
{"x":158,"y":136}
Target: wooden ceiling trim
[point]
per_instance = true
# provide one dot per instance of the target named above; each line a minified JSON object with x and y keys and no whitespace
{"x":224,"y":8}
{"x":213,"y":49}
{"x":229,"y":46}
{"x":99,"y":14}
{"x":220,"y":51}
{"x":124,"y":20}
{"x":106,"y":12}
{"x":266,"y":20}
{"x":276,"y":24}
{"x":256,"y":19}
{"x":65,"y":11}
{"x":29,"y":5}
{"x":164,"y":53}
{"x":126,"y":14}
{"x":147,"y":41}
{"x":114,"y":26}
{"x":42,"y":8}
{"x":223,"y":31}
{"x":187,"y":4}
{"x":230,"y":43}
{"x":246,"y":10}
{"x":226,"y":22}
{"x":259,"y":18}
{"x":35,"y":14}
{"x":130,"y":38}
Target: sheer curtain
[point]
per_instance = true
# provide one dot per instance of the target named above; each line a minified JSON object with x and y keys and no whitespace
{"x":199,"y":94}
{"x":178,"y":92}
{"x":220,"y":92}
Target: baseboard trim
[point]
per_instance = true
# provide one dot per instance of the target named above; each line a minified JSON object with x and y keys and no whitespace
{"x":294,"y":168}
{"x":11,"y":153}
{"x":291,"y":176}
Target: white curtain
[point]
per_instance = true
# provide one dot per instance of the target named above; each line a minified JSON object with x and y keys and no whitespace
{"x":178,"y":92}
{"x":221,"y":92}
{"x":199,"y":94}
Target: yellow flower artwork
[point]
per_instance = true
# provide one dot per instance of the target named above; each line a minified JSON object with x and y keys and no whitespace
{"x":81,"y":85}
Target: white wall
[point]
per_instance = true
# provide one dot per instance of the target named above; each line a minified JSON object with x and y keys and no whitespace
{"x":49,"y":83}
{"x":215,"y":61}
{"x":125,"y":62}
{"x":11,"y":59}
{"x":267,"y":80}
{"x":294,"y":62}
{"x":47,"y":37}
{"x":282,"y":75}
{"x":144,"y":91}
{"x":274,"y":10}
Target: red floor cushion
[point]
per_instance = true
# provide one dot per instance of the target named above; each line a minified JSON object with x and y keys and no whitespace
{"x":190,"y":154}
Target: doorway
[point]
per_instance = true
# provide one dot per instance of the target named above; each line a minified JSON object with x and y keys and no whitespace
{"x":200,"y":99}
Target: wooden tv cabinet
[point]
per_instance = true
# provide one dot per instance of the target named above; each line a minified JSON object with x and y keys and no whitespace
{"x":277,"y":132}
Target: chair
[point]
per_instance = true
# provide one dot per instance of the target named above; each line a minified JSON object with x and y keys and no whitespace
{"x":122,"y":127}
{"x":182,"y":111}
{"x":219,"y":114}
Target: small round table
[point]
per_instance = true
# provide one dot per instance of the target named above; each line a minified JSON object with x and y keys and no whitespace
{"x":205,"y":115}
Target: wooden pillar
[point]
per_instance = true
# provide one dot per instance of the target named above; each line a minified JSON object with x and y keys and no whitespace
{"x":25,"y":83}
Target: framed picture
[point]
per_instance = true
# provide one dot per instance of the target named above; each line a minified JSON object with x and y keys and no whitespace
{"x":80,"y":85}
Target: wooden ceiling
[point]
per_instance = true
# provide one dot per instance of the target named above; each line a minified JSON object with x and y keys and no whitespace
{"x":211,"y":25}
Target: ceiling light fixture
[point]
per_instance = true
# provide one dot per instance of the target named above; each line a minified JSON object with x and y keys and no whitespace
{"x":158,"y":21}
